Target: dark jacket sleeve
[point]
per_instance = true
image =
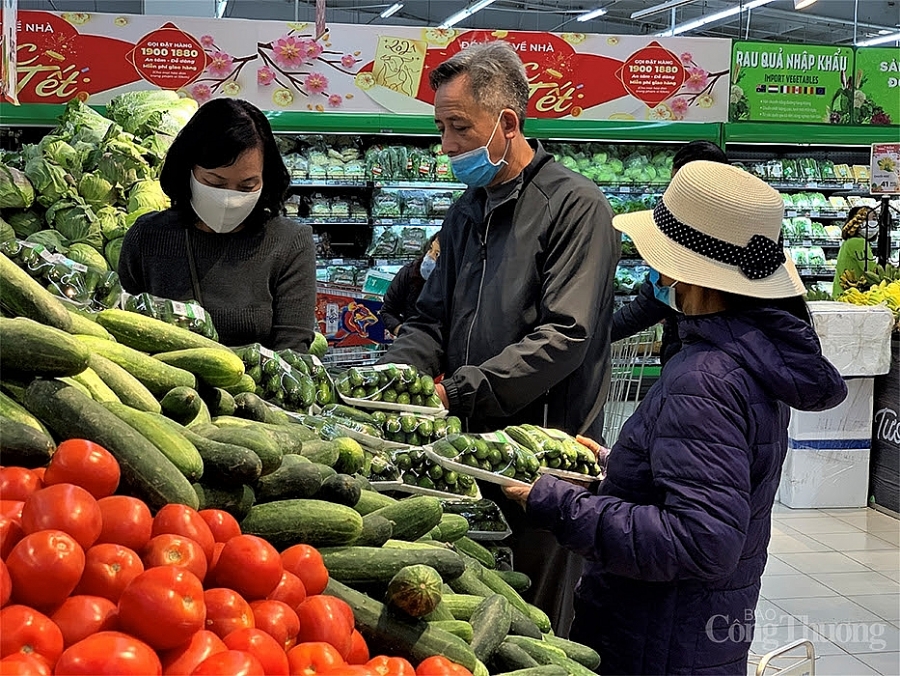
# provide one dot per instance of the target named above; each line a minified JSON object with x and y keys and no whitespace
{"x":700,"y":461}
{"x":395,"y":300}
{"x":294,"y":299}
{"x":582,"y":252}
{"x":640,"y":314}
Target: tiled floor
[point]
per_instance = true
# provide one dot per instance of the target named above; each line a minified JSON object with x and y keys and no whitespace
{"x":833,"y":577}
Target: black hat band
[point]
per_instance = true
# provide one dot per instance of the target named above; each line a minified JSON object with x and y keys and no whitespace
{"x":761,"y":257}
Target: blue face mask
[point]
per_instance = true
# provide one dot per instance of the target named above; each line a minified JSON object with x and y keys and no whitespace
{"x":664,"y":294}
{"x":474,"y":168}
{"x":427,"y":267}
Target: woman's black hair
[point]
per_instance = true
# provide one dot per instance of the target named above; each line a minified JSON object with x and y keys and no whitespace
{"x":793,"y":305}
{"x":431,"y":240}
{"x":218,"y":133}
{"x":698,"y":150}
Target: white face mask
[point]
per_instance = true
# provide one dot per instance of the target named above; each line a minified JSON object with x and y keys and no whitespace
{"x":869,"y":230}
{"x":222,"y":210}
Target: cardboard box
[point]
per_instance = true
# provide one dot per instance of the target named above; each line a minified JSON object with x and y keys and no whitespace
{"x":827,"y":462}
{"x":856,"y":339}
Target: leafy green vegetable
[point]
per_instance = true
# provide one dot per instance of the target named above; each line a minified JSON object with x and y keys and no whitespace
{"x":16,"y":191}
{"x":87,"y":255}
{"x":50,"y":240}
{"x":112,"y":223}
{"x":112,"y":251}
{"x":7,"y":234}
{"x":122,"y":164}
{"x":76,"y":222}
{"x":61,"y":153}
{"x":147,"y":196}
{"x":84,"y":123}
{"x":148,"y":112}
{"x":50,"y":180}
{"x":96,"y":190}
{"x":26,"y":223}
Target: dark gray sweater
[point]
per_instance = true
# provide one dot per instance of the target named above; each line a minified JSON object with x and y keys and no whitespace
{"x":258,"y":285}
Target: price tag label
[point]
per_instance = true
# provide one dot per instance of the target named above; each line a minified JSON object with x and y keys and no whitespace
{"x":267,"y":353}
{"x":806,"y":242}
{"x":812,"y":184}
{"x":848,"y":186}
{"x":790,"y":214}
{"x":814,"y":214}
{"x":495,"y":438}
{"x":625,"y":189}
{"x":415,"y":221}
{"x":49,"y":257}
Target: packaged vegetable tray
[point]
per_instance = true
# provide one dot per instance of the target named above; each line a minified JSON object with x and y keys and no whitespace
{"x":486,"y":521}
{"x":187,"y":314}
{"x":494,"y":457}
{"x":422,"y":475}
{"x":389,"y":387}
{"x":558,"y":453}
{"x":276,"y":380}
{"x":414,"y":429}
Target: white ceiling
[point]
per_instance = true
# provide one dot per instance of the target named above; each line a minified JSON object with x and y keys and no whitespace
{"x":825,"y":22}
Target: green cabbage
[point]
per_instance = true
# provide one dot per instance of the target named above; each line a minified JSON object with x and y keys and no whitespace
{"x":83,"y":123}
{"x":147,"y":196}
{"x":26,"y":223}
{"x":76,"y":222}
{"x":87,"y":255}
{"x":61,"y":153}
{"x":50,"y":240}
{"x":112,"y":222}
{"x":50,"y":180}
{"x":96,"y":190}
{"x":112,"y":251}
{"x":16,"y":191}
{"x":7,"y":234}
{"x":148,"y":112}
{"x":319,"y":346}
{"x":122,"y":164}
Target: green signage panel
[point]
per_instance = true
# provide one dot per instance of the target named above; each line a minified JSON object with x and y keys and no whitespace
{"x":877,"y":96}
{"x":791,"y":83}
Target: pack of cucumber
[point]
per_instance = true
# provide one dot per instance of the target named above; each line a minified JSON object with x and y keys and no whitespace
{"x":420,"y":472}
{"x":294,"y":382}
{"x":557,"y":452}
{"x":394,"y":387}
{"x":188,"y":315}
{"x":494,"y":457}
{"x":415,"y":429}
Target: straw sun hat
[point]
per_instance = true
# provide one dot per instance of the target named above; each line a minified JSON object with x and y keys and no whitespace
{"x":717,"y":227}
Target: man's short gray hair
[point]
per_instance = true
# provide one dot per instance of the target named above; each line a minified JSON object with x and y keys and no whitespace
{"x":496,"y":75}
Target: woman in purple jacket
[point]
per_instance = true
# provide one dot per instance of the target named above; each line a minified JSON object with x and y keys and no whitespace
{"x":676,"y":537}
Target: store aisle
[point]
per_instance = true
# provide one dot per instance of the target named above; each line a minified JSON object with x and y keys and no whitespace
{"x":833,"y":576}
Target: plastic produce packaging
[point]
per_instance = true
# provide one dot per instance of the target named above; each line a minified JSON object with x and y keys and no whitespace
{"x":411,"y":429}
{"x":494,"y":457}
{"x":276,"y":380}
{"x":187,"y":314}
{"x":421,"y":474}
{"x":389,"y":387}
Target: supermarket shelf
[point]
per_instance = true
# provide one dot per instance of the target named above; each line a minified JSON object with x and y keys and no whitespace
{"x":402,"y":222}
{"x":824,"y":186}
{"x":822,"y":274}
{"x":824,"y":214}
{"x":331,"y":220}
{"x":330,"y":183}
{"x":825,"y":243}
{"x":775,"y":133}
{"x":419,"y":185}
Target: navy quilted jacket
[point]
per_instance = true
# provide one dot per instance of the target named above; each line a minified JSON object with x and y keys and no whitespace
{"x":676,"y":539}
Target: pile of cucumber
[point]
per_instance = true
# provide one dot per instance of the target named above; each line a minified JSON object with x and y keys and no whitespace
{"x":418,"y":470}
{"x":495,"y":452}
{"x":389,"y":383}
{"x":290,"y":380}
{"x":415,"y":429}
{"x":556,"y":450}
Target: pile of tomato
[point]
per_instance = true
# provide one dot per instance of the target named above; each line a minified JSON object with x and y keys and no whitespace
{"x":92,"y":583}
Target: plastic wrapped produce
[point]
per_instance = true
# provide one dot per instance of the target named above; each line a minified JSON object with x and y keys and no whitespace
{"x":816,"y":257}
{"x":800,"y":256}
{"x":415,"y":203}
{"x":310,"y":365}
{"x":386,"y":204}
{"x":491,"y":457}
{"x":388,"y":386}
{"x":385,"y":242}
{"x":276,"y":380}
{"x":422,"y":473}
{"x":802,"y":228}
{"x":412,"y":241}
{"x":187,"y":314}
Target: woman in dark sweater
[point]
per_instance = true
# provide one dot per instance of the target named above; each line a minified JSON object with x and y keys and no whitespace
{"x":223,"y":242}
{"x":403,"y":293}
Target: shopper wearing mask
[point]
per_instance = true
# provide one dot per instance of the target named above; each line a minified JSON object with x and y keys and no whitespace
{"x":517,"y":312}
{"x":647,"y":309}
{"x":223,"y":242}
{"x":855,"y":255}
{"x":403,"y":293}
{"x":676,"y":538}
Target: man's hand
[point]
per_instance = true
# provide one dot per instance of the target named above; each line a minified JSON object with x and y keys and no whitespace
{"x":600,"y":453}
{"x":442,"y":394}
{"x":518,"y":494}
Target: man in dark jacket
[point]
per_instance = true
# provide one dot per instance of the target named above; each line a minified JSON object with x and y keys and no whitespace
{"x":517,"y":312}
{"x":646,"y":310}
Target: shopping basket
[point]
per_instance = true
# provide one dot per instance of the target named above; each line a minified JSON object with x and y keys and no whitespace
{"x":630,"y":356}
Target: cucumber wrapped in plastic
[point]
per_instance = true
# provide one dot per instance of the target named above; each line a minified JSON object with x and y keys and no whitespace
{"x":416,"y":429}
{"x":418,"y":470}
{"x":496,"y":452}
{"x":276,"y":380}
{"x":399,"y":384}
{"x":188,"y":314}
{"x":310,"y":365}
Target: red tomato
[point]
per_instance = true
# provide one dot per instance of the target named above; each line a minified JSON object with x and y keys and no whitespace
{"x":10,"y":534}
{"x":306,"y":563}
{"x":227,"y":611}
{"x":278,"y":620}
{"x":232,"y":663}
{"x":109,"y":653}
{"x":263,"y":647}
{"x":391,"y":666}
{"x":64,"y":507}
{"x":175,"y":550}
{"x":17,"y":483}
{"x":163,"y":607}
{"x":5,"y":584}
{"x":290,"y":590}
{"x":80,"y":616}
{"x":40,"y":472}
{"x":84,"y":464}
{"x":108,"y":569}
{"x":25,"y":630}
{"x":352,"y":670}
{"x":182,"y":520}
{"x":44,"y":568}
{"x":325,"y":618}
{"x":250,"y":566}
{"x":182,"y":661}
{"x":359,"y":651}
{"x":221,"y":524}
{"x":307,"y":659}
{"x":25,"y":664}
{"x":126,"y":521}
{"x":441,"y":666}
{"x":12,"y":509}
{"x":214,"y":561}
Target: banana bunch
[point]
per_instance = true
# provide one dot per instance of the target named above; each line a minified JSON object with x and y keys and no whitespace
{"x":881,"y":273}
{"x":850,"y":280}
{"x":816,"y":293}
{"x":884,"y":293}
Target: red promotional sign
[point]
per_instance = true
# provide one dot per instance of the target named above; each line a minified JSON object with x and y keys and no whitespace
{"x":652,"y":74}
{"x":56,"y":64}
{"x":168,"y":58}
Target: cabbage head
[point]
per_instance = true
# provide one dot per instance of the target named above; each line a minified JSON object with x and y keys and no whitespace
{"x":112,"y":251}
{"x":84,"y":123}
{"x":7,"y":234}
{"x":26,"y":223}
{"x":147,"y":196}
{"x":61,"y":153}
{"x":112,"y":222}
{"x":50,"y":180}
{"x":123,"y":164}
{"x":96,"y":190}
{"x":50,"y":240}
{"x":16,"y":191}
{"x":147,"y":112}
{"x":76,"y":222}
{"x":87,"y":255}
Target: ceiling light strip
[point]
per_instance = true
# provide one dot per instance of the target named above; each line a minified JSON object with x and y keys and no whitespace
{"x":463,"y":14}
{"x":713,"y":18}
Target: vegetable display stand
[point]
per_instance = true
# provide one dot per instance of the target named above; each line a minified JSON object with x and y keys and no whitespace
{"x":884,"y":483}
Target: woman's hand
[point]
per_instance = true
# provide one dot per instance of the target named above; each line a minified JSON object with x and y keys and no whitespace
{"x":518,"y":494}
{"x":601,"y":453}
